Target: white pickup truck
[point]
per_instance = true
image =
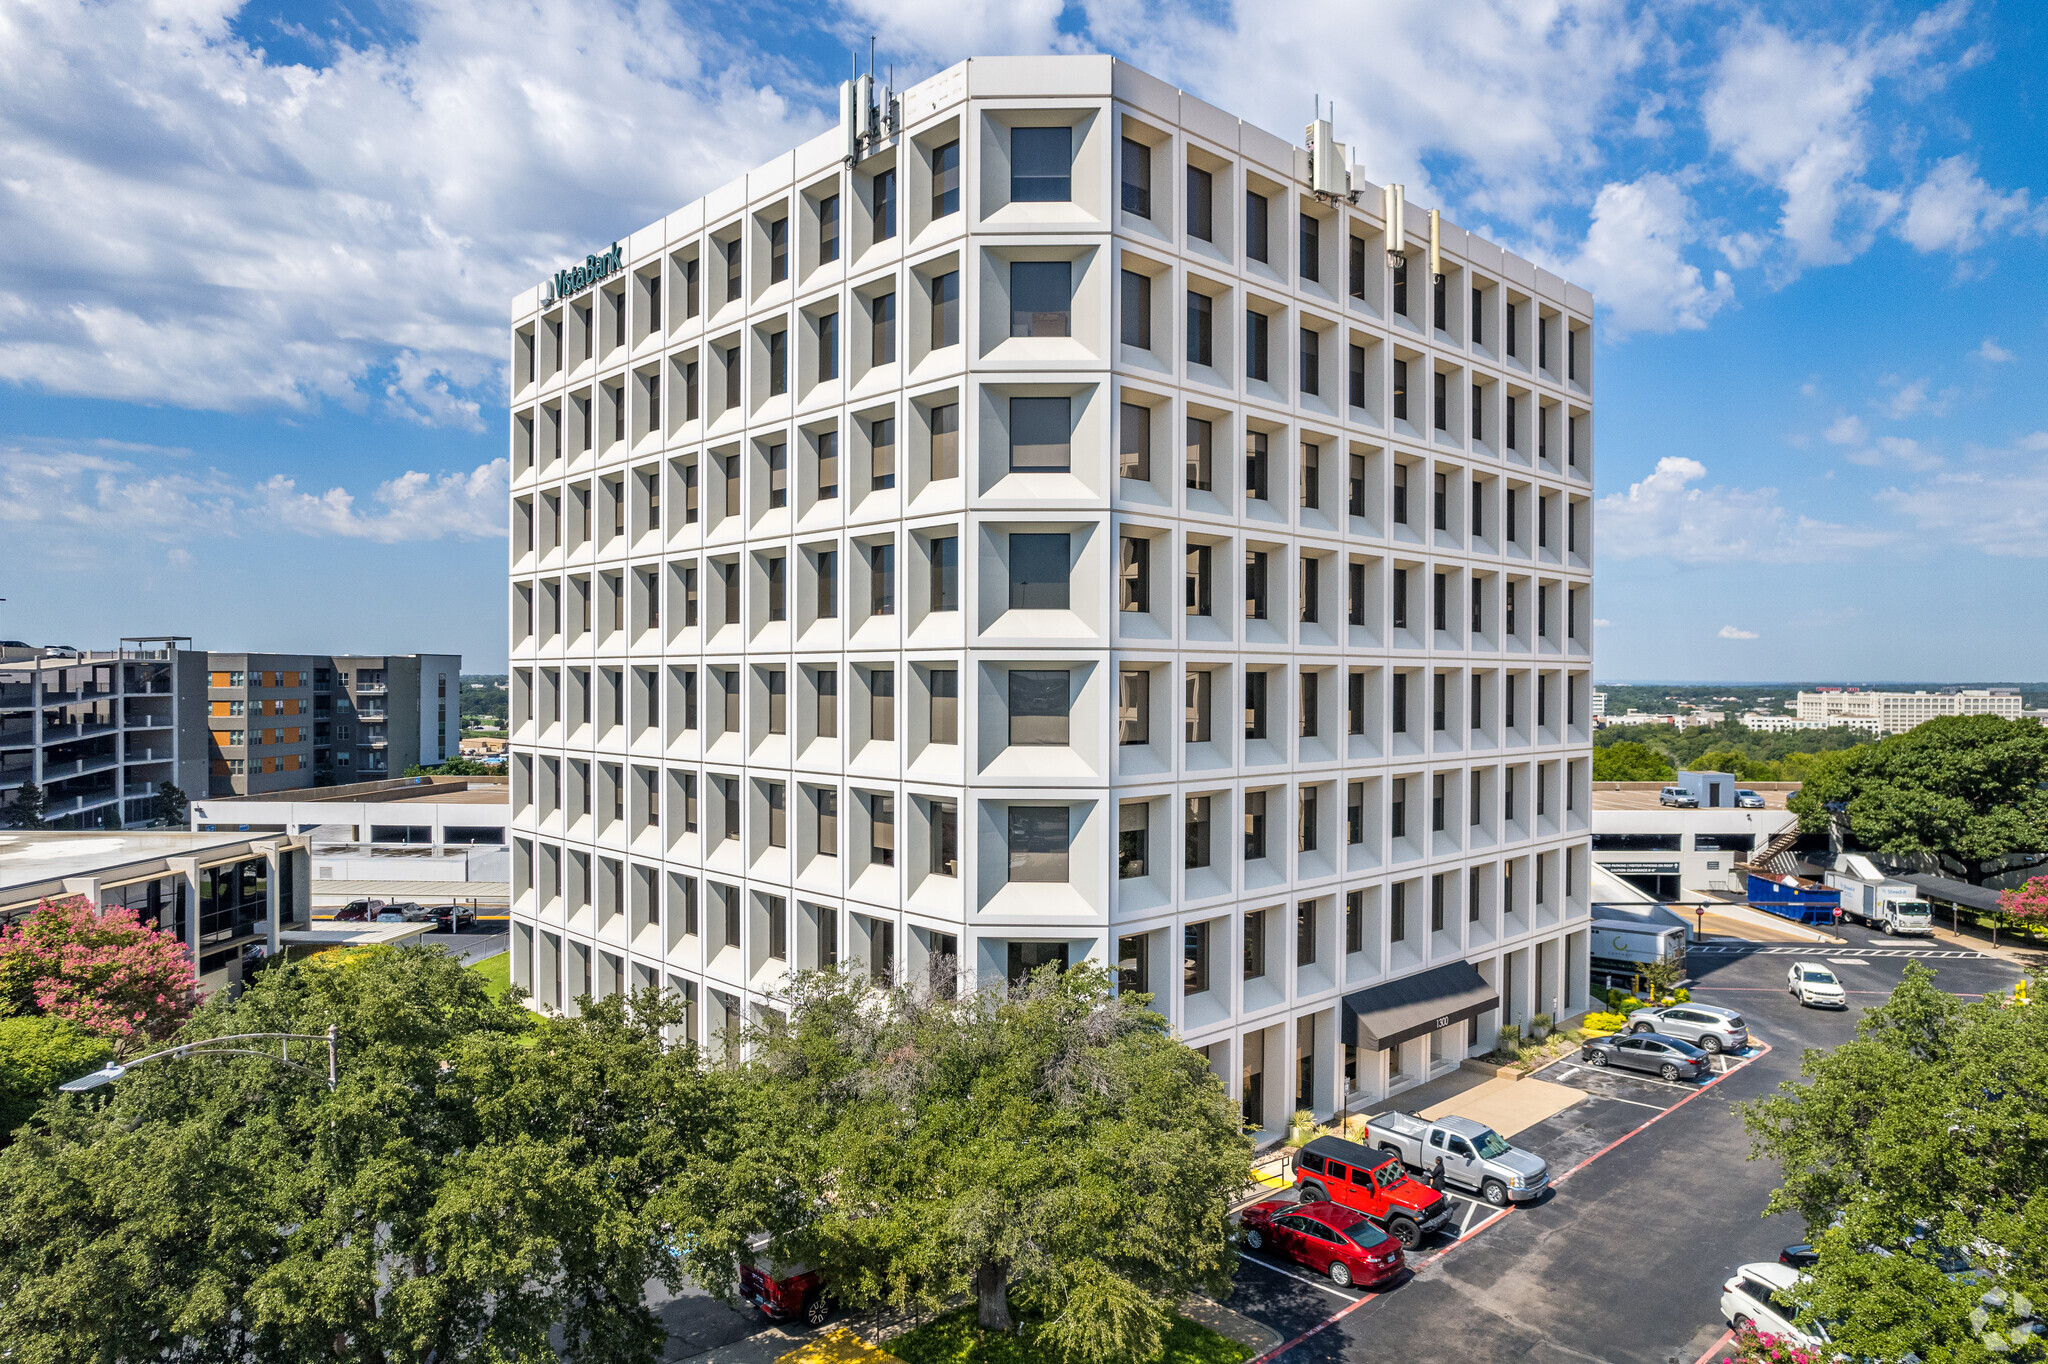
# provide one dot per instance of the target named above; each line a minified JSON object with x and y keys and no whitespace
{"x":1475,"y":1156}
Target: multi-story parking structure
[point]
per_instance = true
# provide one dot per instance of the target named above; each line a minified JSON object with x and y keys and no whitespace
{"x":1035,"y":527}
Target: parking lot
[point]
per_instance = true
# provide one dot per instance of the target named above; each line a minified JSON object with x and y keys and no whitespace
{"x":1653,"y":1199}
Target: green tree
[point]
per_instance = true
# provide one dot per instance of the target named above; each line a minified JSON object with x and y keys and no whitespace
{"x":1055,"y":1143}
{"x":27,"y":809}
{"x":1974,"y":787}
{"x":1628,"y":761}
{"x":1923,"y":1132}
{"x":483,"y":1185}
{"x":454,"y":767}
{"x":1742,"y":765}
{"x":37,"y":1055}
{"x":173,"y":811}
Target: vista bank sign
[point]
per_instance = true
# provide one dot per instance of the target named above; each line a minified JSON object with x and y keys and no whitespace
{"x":577,"y":278}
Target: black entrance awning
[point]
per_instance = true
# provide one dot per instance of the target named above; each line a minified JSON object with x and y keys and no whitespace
{"x":1384,"y":1016}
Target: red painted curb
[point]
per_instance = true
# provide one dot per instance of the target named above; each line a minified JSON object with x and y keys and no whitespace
{"x":1342,"y":1313}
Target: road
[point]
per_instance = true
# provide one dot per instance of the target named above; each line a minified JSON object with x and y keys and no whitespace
{"x":1623,"y":1262}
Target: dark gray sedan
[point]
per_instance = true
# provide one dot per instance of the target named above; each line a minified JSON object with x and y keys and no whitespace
{"x":1666,"y":1057}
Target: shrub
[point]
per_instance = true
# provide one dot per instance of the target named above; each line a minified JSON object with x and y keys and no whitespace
{"x":37,"y":1055}
{"x":1539,"y":1025}
{"x":1605,"y":1023}
{"x":1761,"y":1347}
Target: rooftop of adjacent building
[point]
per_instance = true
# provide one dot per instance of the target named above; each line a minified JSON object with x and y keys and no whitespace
{"x":35,"y":856}
{"x":1642,"y":795}
{"x":490,"y":790}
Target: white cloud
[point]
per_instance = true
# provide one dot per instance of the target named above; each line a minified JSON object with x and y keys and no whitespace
{"x":946,"y":30}
{"x":71,"y":502}
{"x":1991,"y":351}
{"x":1899,"y":450}
{"x":1633,"y":259}
{"x":1665,"y":516}
{"x":1909,"y":398}
{"x":1954,"y":210}
{"x":1793,"y":113}
{"x":1847,"y":430}
{"x":1598,"y":622}
{"x":1730,"y":632}
{"x":187,"y":224}
{"x":414,"y":506}
{"x":1998,"y":504}
{"x":1510,"y":98}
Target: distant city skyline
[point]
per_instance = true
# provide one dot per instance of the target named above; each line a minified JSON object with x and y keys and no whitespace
{"x":263,"y":367}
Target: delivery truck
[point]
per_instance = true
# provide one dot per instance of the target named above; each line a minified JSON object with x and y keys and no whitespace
{"x":1621,"y":948}
{"x":1870,"y":897}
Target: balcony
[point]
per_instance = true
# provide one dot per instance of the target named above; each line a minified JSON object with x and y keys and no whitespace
{"x":371,"y":689}
{"x":79,"y":767}
{"x":372,"y":717}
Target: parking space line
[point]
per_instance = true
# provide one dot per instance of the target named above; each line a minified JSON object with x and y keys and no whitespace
{"x":1764,"y":1050}
{"x":1298,"y":1278}
{"x":1616,"y":1099}
{"x":1624,"y":1075}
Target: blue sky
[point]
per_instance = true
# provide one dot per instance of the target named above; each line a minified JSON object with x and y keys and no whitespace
{"x":254,"y":264}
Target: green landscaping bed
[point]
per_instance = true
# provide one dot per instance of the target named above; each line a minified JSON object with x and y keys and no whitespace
{"x":955,"y":1338}
{"x":497,"y":973}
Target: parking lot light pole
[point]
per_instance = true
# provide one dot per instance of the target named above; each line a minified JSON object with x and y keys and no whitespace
{"x":210,"y":1046}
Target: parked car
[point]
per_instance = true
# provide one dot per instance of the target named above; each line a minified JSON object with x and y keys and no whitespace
{"x":453,"y":918}
{"x":1760,"y":1296}
{"x":783,"y":1292}
{"x":1801,"y":1256}
{"x":402,"y":912}
{"x":358,"y":911}
{"x":1813,"y":983}
{"x":1474,"y":1155}
{"x":1709,"y":1026}
{"x":1664,"y":1056}
{"x":1333,"y":1170}
{"x":1746,"y":799}
{"x":1678,"y":796}
{"x":1340,"y":1242}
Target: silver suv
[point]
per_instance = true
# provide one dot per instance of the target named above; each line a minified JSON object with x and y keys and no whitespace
{"x":1678,"y":796}
{"x":1707,"y":1026}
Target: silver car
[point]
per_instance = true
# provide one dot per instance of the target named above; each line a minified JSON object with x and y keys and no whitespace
{"x":1707,"y":1026}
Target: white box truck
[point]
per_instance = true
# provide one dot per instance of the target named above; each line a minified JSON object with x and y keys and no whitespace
{"x":1622,"y":947}
{"x":1870,"y":897}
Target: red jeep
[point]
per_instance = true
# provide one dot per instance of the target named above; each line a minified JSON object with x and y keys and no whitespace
{"x":789,"y":1291}
{"x":1331,"y":1169}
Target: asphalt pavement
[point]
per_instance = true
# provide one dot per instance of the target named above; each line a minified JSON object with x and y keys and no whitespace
{"x":1655,"y":1199}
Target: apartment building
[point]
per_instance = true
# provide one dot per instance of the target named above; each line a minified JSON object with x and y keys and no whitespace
{"x":99,"y":732}
{"x":1047,"y":519}
{"x":1895,"y":712}
{"x":280,"y":722}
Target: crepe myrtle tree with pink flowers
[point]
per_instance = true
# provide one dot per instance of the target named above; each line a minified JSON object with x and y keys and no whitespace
{"x":102,"y":969}
{"x":2028,"y":904}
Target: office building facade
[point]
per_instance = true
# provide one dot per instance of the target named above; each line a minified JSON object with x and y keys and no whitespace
{"x":1049,"y":520}
{"x":1895,"y":712}
{"x":280,"y":722}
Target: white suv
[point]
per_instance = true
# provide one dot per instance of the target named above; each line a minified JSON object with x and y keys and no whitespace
{"x":1815,"y":984}
{"x":1760,"y":1295}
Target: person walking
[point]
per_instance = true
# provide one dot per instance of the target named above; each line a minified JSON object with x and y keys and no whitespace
{"x":1436,"y":1175}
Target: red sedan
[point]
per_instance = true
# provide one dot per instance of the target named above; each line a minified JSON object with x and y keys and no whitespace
{"x":1329,"y":1239}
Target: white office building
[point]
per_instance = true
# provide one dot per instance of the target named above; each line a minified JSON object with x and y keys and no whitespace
{"x":1047,"y":519}
{"x":1895,"y":712}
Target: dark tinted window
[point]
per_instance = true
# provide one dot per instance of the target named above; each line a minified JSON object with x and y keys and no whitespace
{"x":1309,"y":1162}
{"x":1365,"y":1235}
{"x":1336,"y":1171}
{"x":1039,"y":572}
{"x":1041,"y":164}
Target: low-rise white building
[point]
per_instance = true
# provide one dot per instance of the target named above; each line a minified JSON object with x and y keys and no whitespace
{"x":1678,"y":854}
{"x":221,"y":894}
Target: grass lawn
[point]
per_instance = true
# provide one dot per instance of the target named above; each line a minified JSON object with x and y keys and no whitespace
{"x":497,"y":972}
{"x":955,"y":1339}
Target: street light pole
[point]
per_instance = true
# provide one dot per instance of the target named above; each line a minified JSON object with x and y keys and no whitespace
{"x":210,"y":1046}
